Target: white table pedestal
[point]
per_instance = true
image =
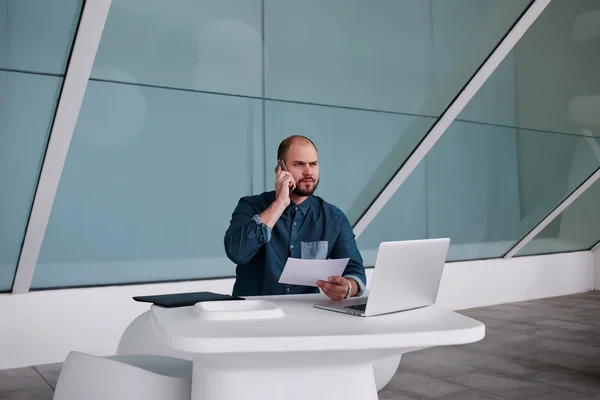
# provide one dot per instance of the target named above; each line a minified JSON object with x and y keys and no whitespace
{"x":294,"y":382}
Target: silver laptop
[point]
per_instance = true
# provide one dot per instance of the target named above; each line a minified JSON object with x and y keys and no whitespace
{"x":406,"y":276}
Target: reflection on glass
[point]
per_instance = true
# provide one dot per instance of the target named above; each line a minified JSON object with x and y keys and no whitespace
{"x":557,"y":64}
{"x":36,"y":35}
{"x":577,"y":228}
{"x":148,"y":187}
{"x":27,"y":104}
{"x":210,"y":45}
{"x":482,"y":188}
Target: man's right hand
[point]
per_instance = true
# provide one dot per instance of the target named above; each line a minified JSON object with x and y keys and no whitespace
{"x":284,"y":184}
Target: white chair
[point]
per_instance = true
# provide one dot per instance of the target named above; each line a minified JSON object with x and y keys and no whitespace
{"x":131,"y":377}
{"x":139,"y":338}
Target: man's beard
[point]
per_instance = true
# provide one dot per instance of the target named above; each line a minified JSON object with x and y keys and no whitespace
{"x":301,"y":192}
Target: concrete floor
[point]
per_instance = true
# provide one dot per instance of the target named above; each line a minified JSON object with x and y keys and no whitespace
{"x":543,"y":349}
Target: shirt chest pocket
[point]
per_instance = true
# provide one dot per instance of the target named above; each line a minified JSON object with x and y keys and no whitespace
{"x":314,"y":250}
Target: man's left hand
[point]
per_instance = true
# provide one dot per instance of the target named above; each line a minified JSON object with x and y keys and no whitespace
{"x":337,"y":287}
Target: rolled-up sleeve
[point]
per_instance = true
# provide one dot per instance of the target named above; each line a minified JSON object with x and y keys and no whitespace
{"x":345,"y":246}
{"x":246,"y":233}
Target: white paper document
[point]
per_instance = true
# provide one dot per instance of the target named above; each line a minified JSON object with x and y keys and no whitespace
{"x":307,"y":272}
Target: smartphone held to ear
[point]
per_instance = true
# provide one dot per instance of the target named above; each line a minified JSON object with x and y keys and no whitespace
{"x":280,"y":164}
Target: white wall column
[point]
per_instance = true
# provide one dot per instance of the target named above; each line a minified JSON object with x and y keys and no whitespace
{"x":596,"y":252}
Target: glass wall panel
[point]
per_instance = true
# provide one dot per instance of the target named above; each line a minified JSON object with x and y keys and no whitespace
{"x":409,"y":56}
{"x":473,"y":191}
{"x":27,"y":104}
{"x":523,"y":144}
{"x":36,"y":35}
{"x":557,"y":64}
{"x":148,"y":187}
{"x":210,"y":45}
{"x":577,"y":228}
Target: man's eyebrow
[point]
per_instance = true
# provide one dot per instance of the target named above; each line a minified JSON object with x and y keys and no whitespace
{"x":300,"y":161}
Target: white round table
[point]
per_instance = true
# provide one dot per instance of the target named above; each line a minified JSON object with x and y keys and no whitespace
{"x":307,"y":353}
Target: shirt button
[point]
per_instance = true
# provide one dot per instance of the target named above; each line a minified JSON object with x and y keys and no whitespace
{"x":296,"y":209}
{"x":287,"y":290}
{"x":291,"y":246}
{"x":294,"y":223}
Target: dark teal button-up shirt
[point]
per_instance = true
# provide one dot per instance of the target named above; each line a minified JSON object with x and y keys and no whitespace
{"x":314,"y":229}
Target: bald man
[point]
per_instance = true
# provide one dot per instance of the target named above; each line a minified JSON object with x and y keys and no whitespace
{"x":290,"y":221}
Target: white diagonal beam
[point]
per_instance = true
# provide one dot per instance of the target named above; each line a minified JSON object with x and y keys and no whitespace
{"x":78,"y":72}
{"x":555,"y":213}
{"x":438,"y":129}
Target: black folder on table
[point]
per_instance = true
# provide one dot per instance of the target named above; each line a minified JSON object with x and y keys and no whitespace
{"x":184,"y":299}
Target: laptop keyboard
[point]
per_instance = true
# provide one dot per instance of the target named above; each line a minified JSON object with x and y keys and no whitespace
{"x":359,"y":307}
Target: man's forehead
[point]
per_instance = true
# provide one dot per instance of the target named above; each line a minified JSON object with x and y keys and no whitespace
{"x":296,"y":159}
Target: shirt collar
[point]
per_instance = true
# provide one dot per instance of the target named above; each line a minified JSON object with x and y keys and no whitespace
{"x":304,"y":206}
